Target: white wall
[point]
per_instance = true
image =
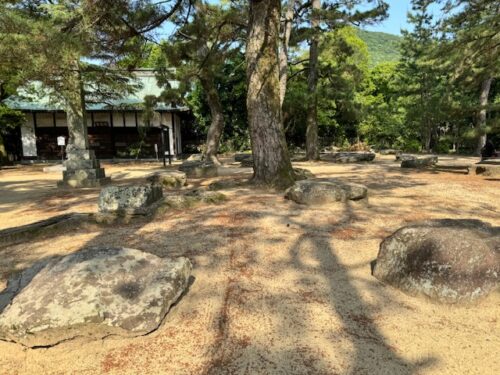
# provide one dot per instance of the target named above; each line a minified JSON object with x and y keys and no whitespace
{"x":28,"y":137}
{"x":166,"y":119}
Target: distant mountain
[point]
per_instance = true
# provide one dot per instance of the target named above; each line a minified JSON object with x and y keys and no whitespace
{"x":382,"y":47}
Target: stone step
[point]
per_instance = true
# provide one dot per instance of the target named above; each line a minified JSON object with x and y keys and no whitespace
{"x":87,"y":183}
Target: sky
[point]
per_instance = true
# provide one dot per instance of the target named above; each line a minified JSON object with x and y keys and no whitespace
{"x":397,"y":19}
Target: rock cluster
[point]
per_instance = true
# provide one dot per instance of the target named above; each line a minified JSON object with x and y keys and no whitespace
{"x":450,"y":261}
{"x":93,"y":293}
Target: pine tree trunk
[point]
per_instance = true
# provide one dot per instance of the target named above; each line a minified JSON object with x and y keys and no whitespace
{"x":312,"y":148}
{"x":217,"y":125}
{"x":481,"y":117}
{"x":272,"y":164}
{"x":285,"y":40}
{"x":78,"y":142}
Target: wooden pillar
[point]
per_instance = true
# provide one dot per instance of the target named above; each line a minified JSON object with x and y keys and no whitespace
{"x":174,"y":144}
{"x":124,"y":121}
{"x":112,"y":130}
{"x":54,"y":118}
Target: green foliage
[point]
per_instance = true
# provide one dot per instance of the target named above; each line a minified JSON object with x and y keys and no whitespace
{"x":231,"y":84}
{"x":343,"y":65}
{"x":382,"y":47}
{"x":10,"y":118}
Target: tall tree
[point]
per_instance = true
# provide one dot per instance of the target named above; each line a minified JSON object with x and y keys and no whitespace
{"x":422,"y":79}
{"x":471,"y":49}
{"x":272,"y":164}
{"x":312,"y":148}
{"x":197,"y":51}
{"x":319,"y":16}
{"x":286,"y":31}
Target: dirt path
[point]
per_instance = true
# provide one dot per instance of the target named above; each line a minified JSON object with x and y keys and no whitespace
{"x":286,"y":289}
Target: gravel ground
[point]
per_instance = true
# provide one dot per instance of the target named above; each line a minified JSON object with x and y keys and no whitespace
{"x":279,"y":288}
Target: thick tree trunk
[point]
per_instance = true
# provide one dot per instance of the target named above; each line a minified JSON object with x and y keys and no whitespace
{"x":481,"y":116}
{"x":78,"y":143}
{"x":217,"y":125}
{"x":312,"y":148}
{"x":285,"y":40}
{"x":272,"y":164}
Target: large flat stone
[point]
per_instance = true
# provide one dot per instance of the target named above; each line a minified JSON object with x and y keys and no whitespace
{"x":325,"y":190}
{"x":128,"y":199}
{"x":419,"y":161}
{"x":450,"y":261}
{"x":93,"y":293}
{"x":488,"y":170}
{"x":349,"y":157}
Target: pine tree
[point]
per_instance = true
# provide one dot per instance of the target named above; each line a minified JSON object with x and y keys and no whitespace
{"x":470,"y":48}
{"x":320,"y":16}
{"x":197,"y":51}
{"x":422,"y":80}
{"x":272,"y":164}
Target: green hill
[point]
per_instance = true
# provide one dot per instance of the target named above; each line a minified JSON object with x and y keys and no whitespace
{"x":382,"y":47}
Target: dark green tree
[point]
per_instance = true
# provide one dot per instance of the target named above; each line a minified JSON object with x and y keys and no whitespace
{"x":470,"y":48}
{"x":315,"y":17}
{"x":197,"y":51}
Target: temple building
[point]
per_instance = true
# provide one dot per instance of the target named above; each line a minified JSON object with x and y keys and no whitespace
{"x":115,"y":130}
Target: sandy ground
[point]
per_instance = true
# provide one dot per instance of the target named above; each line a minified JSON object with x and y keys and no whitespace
{"x":278,"y":288}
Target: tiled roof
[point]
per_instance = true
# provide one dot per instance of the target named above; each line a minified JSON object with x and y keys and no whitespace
{"x":148,"y":86}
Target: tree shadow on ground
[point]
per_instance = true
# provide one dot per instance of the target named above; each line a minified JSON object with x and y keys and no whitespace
{"x":212,"y":236}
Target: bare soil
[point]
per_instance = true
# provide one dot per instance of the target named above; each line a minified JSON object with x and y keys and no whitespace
{"x":279,"y":288}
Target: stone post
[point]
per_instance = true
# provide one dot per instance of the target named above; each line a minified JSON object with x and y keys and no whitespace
{"x":82,"y":168}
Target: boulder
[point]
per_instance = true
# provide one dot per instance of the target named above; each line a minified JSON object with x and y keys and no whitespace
{"x":325,"y":190}
{"x":303,"y":174}
{"x":93,"y":293}
{"x":169,"y":179}
{"x":401,"y":157}
{"x":199,"y":169}
{"x":450,"y":261}
{"x":389,"y":151}
{"x":349,"y":157}
{"x":134,"y":199}
{"x":488,"y":170}
{"x":243,"y":157}
{"x":419,"y":161}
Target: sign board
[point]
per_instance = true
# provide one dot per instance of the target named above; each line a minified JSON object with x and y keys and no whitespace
{"x":61,"y":141}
